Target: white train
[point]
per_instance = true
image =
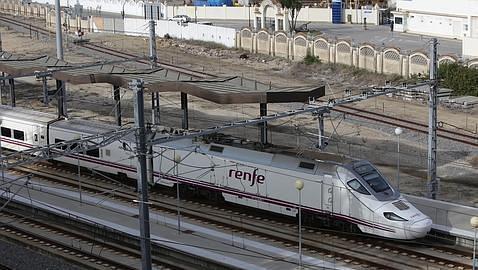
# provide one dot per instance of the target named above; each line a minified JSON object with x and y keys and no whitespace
{"x":355,"y":192}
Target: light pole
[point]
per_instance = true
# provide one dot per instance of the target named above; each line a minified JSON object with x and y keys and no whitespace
{"x":195,"y":14}
{"x":122,"y":12}
{"x":474,"y":224}
{"x":177,"y":159}
{"x":398,"y":131}
{"x":299,"y":185}
{"x":1,"y":154}
{"x":249,"y":13}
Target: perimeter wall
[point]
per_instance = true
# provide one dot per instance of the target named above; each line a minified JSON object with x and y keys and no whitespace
{"x":383,"y":60}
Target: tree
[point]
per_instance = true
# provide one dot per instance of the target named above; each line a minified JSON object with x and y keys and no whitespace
{"x":461,"y":79}
{"x":294,"y":7}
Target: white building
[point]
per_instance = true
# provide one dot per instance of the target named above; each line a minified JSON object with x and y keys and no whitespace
{"x":443,"y":18}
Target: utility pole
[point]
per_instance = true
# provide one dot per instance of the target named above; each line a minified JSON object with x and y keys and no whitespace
{"x":432,"y":123}
{"x":60,"y":85}
{"x":152,"y":43}
{"x":59,"y":40}
{"x":145,"y":240}
{"x":153,"y":56}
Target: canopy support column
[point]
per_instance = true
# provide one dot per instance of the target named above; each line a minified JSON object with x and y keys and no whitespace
{"x":60,"y":92}
{"x":321,"y":144}
{"x":11,"y":82}
{"x":117,"y":98}
{"x":263,"y":126}
{"x":184,"y":108}
{"x":46,"y":98}
{"x":155,"y":108}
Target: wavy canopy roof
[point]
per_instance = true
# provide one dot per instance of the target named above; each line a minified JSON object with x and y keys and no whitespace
{"x":230,"y":90}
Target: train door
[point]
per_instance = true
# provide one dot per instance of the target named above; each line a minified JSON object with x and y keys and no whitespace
{"x":327,"y":194}
{"x":337,"y":199}
{"x":39,"y":136}
{"x":345,"y":201}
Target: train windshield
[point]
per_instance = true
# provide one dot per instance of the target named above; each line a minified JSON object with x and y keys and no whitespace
{"x":372,"y":177}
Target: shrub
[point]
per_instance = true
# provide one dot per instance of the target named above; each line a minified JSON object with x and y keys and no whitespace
{"x":461,"y":79}
{"x":310,"y":59}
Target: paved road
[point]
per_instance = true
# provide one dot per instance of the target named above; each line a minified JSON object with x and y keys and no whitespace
{"x":376,"y":35}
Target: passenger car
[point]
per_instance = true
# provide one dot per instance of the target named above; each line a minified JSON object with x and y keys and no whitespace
{"x":181,"y":18}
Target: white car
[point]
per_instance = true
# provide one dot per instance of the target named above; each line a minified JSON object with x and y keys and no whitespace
{"x":181,"y":18}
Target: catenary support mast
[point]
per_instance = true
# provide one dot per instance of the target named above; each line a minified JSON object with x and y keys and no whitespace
{"x":432,"y":123}
{"x":145,"y":241}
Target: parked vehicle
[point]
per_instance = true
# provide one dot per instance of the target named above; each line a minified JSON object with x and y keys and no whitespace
{"x":181,"y":18}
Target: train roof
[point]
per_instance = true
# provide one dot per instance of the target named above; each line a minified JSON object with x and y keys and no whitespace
{"x":27,"y":115}
{"x":278,"y":158}
{"x":90,"y":127}
{"x":309,"y":162}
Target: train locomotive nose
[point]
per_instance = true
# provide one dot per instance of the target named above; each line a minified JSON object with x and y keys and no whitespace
{"x":419,"y":229}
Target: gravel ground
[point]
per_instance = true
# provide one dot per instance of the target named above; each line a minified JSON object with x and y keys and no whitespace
{"x":15,"y":256}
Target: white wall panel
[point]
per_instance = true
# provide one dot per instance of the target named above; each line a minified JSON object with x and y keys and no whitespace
{"x":456,"y":7}
{"x":435,"y":25}
{"x":220,"y":35}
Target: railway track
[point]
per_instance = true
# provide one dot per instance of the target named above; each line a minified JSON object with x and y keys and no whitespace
{"x":469,"y":139}
{"x":110,"y":51}
{"x":80,"y":248}
{"x":356,"y":251}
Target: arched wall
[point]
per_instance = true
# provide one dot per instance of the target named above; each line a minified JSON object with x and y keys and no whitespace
{"x":300,"y":47}
{"x":246,"y":39}
{"x":263,"y":42}
{"x":473,"y":63}
{"x":343,"y":53}
{"x":391,"y":61}
{"x":322,"y":49}
{"x":418,"y":64}
{"x":281,"y":45}
{"x":367,"y":58}
{"x":446,"y":59}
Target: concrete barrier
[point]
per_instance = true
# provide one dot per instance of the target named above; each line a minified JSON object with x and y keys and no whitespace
{"x":448,"y":218}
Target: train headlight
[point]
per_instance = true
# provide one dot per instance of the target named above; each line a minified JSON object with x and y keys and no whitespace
{"x":393,"y":216}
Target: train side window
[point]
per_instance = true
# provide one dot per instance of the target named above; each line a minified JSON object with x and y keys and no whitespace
{"x":355,"y":185}
{"x":19,"y":135}
{"x":107,"y":152}
{"x":93,"y":152}
{"x":73,"y":146}
{"x":216,"y":148}
{"x":306,"y":165}
{"x":6,"y":132}
{"x":63,"y":147}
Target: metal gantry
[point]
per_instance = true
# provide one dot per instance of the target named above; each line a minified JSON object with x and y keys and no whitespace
{"x":312,"y":107}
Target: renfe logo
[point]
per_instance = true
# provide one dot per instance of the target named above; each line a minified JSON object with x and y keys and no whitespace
{"x":246,"y":176}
